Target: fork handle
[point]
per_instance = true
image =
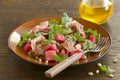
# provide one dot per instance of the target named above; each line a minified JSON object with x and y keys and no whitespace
{"x":63,"y":65}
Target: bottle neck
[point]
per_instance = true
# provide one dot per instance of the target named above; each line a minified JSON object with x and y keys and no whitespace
{"x":98,"y":3}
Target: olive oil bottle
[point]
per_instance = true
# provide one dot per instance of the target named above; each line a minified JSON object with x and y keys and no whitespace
{"x":97,"y":11}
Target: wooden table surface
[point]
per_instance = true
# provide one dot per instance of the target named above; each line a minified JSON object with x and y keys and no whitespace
{"x":16,"y":12}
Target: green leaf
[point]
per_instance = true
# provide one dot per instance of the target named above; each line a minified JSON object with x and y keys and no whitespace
{"x":53,"y":42}
{"x":88,"y":45}
{"x":58,"y":45}
{"x":53,"y":22}
{"x":93,"y":32}
{"x":66,"y":31}
{"x":44,"y":42}
{"x":59,"y":57}
{"x":71,"y":36}
{"x":25,"y":34}
{"x":66,"y":19}
{"x":51,"y":36}
{"x":36,"y":34}
{"x":22,"y":42}
{"x":78,"y":37}
{"x":106,"y":69}
{"x":58,"y":29}
{"x":98,"y":36}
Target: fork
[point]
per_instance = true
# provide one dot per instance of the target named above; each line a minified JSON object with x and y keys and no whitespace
{"x":67,"y":62}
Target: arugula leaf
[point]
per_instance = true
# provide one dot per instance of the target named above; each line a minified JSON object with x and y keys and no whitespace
{"x":58,"y":29}
{"x":78,"y":37}
{"x":98,"y":36}
{"x":36,"y":34}
{"x":51,"y":36}
{"x":59,"y":57}
{"x":106,"y":69}
{"x":88,"y":45}
{"x":66,"y":19}
{"x":53,"y":42}
{"x":71,"y":36}
{"x":66,"y":31}
{"x":93,"y":32}
{"x":44,"y":42}
{"x":53,"y":22}
{"x":90,"y":31}
{"x":25,"y":34}
{"x":22,"y":42}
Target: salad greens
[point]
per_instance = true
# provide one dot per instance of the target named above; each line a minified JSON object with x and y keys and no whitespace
{"x":59,"y":29}
{"x":93,"y":32}
{"x":25,"y":35}
{"x":66,"y":19}
{"x":106,"y":69}
{"x":78,"y":37}
{"x":88,"y":45}
{"x":28,"y":36}
{"x":59,"y":57}
{"x":53,"y":22}
{"x":68,"y":34}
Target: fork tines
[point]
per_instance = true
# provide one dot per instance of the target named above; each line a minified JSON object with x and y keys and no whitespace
{"x":101,"y":44}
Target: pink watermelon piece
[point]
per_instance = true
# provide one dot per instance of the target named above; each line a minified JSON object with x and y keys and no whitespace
{"x":49,"y":54}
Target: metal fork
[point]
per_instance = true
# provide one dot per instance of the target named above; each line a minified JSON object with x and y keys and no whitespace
{"x":64,"y":64}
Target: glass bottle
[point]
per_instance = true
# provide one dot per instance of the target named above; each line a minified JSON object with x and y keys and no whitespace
{"x":97,"y":11}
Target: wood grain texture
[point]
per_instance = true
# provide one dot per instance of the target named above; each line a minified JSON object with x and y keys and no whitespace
{"x":16,"y":12}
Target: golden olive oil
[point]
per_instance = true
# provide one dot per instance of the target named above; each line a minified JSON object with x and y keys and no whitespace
{"x":96,"y":13}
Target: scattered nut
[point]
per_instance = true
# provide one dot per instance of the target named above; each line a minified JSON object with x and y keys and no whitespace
{"x":46,"y":62}
{"x":90,"y":73}
{"x":115,"y":60}
{"x":111,"y":75}
{"x":97,"y":71}
{"x":99,"y":64}
{"x":40,"y":60}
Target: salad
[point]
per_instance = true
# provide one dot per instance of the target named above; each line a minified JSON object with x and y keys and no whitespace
{"x":54,"y":41}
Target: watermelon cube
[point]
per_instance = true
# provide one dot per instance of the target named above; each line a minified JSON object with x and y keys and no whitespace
{"x":52,"y":47}
{"x":60,"y":38}
{"x":49,"y":54}
{"x":92,"y":38}
{"x":27,"y":47}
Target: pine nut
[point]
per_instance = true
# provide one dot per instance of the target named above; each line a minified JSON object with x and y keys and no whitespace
{"x":97,"y":71}
{"x":111,"y":75}
{"x":115,"y":60}
{"x":90,"y":73}
{"x":99,"y":64}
